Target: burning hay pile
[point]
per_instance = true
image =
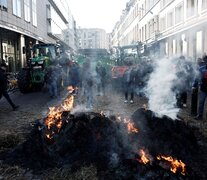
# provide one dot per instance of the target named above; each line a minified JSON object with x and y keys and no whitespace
{"x":144,"y":147}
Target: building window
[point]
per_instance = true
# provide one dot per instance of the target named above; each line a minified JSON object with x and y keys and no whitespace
{"x":165,"y":3}
{"x":142,"y":33}
{"x":191,"y":5}
{"x":149,"y":28}
{"x":143,"y":10}
{"x":162,"y":24}
{"x":146,"y":34}
{"x":34,"y":12}
{"x":3,"y":5}
{"x":27,"y":10}
{"x":170,"y":19}
{"x":204,"y":4}
{"x":17,"y":7}
{"x":178,"y":14}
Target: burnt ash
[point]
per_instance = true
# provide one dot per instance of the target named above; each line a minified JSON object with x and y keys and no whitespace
{"x":91,"y":138}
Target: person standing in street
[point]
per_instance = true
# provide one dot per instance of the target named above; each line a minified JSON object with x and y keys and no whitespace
{"x":74,"y":76}
{"x":129,"y":84}
{"x":87,"y":83}
{"x":3,"y":86}
{"x":64,"y":61}
{"x":202,"y":82}
{"x":181,"y":94}
{"x":89,"y":91}
{"x":194,"y":93}
{"x":101,"y":74}
{"x":52,"y":79}
{"x":84,"y":71}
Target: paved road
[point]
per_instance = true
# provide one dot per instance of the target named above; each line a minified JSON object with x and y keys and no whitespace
{"x":33,"y":106}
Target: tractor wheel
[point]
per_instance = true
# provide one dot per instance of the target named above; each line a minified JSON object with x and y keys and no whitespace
{"x":23,"y":80}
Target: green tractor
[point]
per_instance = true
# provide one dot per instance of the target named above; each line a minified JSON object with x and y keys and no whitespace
{"x":33,"y":75}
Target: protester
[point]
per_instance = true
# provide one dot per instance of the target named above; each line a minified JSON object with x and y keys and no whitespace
{"x":64,"y":62}
{"x":194,"y":92}
{"x":89,"y":90}
{"x":87,"y":83}
{"x":52,"y":77}
{"x":74,"y":76}
{"x":183,"y":84}
{"x":84,"y":71}
{"x":201,"y":62}
{"x":60,"y":78}
{"x":201,"y":81}
{"x":101,"y":75}
{"x":3,"y":86}
{"x":204,"y":58}
{"x":129,"y":84}
{"x":143,"y":70}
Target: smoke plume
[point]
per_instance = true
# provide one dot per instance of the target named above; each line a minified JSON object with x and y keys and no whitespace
{"x":169,"y":77}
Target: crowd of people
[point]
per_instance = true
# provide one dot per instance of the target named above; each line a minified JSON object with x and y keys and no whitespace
{"x":89,"y":79}
{"x":81,"y":78}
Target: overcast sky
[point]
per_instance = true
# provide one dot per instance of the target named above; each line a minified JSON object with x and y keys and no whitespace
{"x":97,"y":13}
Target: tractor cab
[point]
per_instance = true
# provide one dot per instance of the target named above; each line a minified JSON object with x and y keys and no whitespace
{"x":43,"y":54}
{"x":34,"y":74}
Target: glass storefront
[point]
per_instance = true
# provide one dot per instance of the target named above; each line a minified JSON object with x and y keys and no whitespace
{"x":9,"y":50}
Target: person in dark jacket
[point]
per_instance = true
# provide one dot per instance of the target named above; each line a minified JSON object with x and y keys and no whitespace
{"x":74,"y":76}
{"x":181,"y":69}
{"x":101,"y":75}
{"x":129,"y":79}
{"x":52,"y":77}
{"x":3,"y":86}
{"x":89,"y":82}
{"x":201,"y":82}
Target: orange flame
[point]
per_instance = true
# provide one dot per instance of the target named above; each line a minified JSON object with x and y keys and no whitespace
{"x":175,"y":164}
{"x":131,"y":128}
{"x":55,"y":113}
{"x":68,"y":103}
{"x":144,"y":159}
{"x":130,"y":125}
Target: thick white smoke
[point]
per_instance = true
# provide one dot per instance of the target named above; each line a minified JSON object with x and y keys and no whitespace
{"x":160,"y":88}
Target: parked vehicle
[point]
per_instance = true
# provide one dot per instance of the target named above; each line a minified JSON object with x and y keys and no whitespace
{"x":33,"y":75}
